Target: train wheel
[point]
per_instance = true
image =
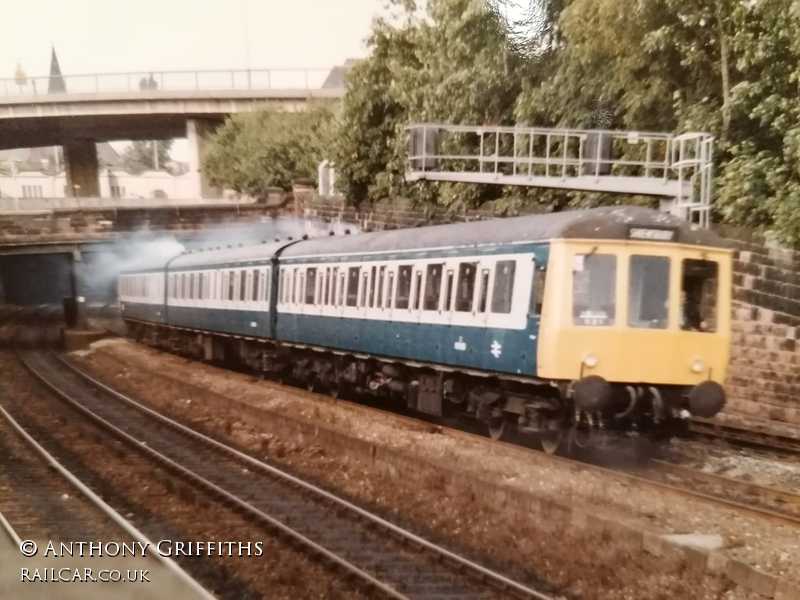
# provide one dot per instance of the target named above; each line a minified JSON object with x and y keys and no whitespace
{"x":499,"y":427}
{"x":551,"y":442}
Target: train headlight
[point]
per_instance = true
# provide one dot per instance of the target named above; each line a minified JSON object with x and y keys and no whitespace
{"x":590,"y":360}
{"x":698,"y":366}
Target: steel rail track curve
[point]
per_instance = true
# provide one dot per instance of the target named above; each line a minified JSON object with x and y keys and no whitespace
{"x":170,"y":565}
{"x":390,"y":559}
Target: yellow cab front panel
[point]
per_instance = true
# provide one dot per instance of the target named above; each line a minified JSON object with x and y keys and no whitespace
{"x":636,"y":312}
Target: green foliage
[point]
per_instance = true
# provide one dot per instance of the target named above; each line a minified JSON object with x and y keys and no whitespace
{"x":454,"y":64}
{"x":253,"y":152}
{"x":138,"y":157}
{"x":728,"y":67}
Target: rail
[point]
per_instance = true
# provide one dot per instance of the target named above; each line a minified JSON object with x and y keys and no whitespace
{"x":356,"y":563}
{"x":169,"y":564}
{"x":148,"y":82}
{"x":677,"y":168}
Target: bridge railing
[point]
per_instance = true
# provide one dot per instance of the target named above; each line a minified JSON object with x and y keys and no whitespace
{"x":154,"y":81}
{"x":49,"y":204}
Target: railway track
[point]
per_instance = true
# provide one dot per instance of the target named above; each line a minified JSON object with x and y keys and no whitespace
{"x":747,"y":437}
{"x":389,"y":559}
{"x":61,"y":508}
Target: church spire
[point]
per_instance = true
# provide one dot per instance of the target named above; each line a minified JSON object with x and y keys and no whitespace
{"x":56,"y":84}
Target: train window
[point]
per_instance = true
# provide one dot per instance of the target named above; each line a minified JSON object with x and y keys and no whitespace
{"x":503,"y":290}
{"x":243,"y":279}
{"x":417,"y":289}
{"x":256,"y":282}
{"x":699,"y":290}
{"x":466,"y":286}
{"x":381,"y":275}
{"x":311,"y":284}
{"x":295,"y":281}
{"x":183,"y":286}
{"x":390,"y":289}
{"x":352,"y":286}
{"x":334,"y":280}
{"x":433,"y":286}
{"x":326,"y":299}
{"x":373,"y":283}
{"x":448,"y":291}
{"x":594,"y":278}
{"x":403,"y":286}
{"x":537,"y":290}
{"x":231,"y":285}
{"x":202,"y":288}
{"x":484,"y":294}
{"x":365,"y":282}
{"x":648,"y":292}
{"x":341,"y":289}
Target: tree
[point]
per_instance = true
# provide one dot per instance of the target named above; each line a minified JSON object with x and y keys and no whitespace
{"x":253,"y":152}
{"x":456,"y":63}
{"x":139,"y":156}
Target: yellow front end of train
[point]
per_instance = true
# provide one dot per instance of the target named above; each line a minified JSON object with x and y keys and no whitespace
{"x":636,"y":312}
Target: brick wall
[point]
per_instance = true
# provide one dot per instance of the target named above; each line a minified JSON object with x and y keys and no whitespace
{"x":764,"y":374}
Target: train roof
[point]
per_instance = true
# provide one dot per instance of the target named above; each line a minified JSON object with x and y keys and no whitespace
{"x":233,"y":254}
{"x":607,"y":223}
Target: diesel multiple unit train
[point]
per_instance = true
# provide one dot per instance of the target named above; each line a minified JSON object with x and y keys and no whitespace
{"x":575,"y":326}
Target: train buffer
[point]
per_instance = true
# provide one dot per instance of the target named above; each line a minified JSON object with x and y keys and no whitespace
{"x":677,"y":168}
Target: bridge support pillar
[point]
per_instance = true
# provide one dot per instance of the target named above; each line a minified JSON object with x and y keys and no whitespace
{"x":80,"y":158}
{"x":197,"y":132}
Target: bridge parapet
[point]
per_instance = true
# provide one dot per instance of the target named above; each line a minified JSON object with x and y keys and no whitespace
{"x":148,"y":82}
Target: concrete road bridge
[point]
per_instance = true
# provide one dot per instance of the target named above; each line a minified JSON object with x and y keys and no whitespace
{"x":146,"y":105}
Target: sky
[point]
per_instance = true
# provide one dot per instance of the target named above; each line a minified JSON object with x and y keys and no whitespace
{"x":143,"y":35}
{"x":112,"y":36}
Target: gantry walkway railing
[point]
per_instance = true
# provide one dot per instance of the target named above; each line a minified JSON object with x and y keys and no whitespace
{"x":154,"y":81}
{"x":676,"y":168}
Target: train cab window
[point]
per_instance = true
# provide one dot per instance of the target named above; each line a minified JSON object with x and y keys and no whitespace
{"x":352,"y":286}
{"x":403,"y":286}
{"x":389,"y":289}
{"x":448,"y":290}
{"x":433,"y":286}
{"x":311,"y":284}
{"x":648,"y":292}
{"x":503,"y":291}
{"x":537,"y":290}
{"x":466,"y":286}
{"x":484,"y":293}
{"x":594,"y":278}
{"x":699,"y":291}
